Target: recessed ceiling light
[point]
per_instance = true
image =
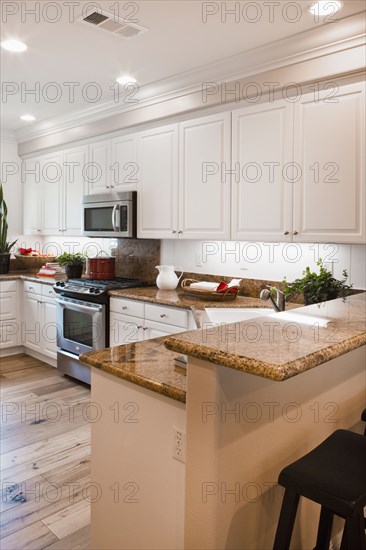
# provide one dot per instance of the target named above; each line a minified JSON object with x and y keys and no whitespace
{"x":28,"y":118}
{"x":125,"y":79}
{"x":325,"y":7}
{"x":14,"y":46}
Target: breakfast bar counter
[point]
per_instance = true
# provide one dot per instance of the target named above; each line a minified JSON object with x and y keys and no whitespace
{"x":234,"y":431}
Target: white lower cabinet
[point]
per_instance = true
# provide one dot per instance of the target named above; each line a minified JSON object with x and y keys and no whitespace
{"x":39,"y":328}
{"x":9,"y":317}
{"x":132,"y":321}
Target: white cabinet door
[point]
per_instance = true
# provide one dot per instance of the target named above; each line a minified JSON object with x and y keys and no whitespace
{"x":124,"y":329}
{"x":124,"y":167}
{"x":262,"y":164}
{"x":9,"y":322}
{"x":329,"y":200}
{"x":31,"y":322}
{"x":100,"y":174}
{"x":75,"y":162}
{"x":49,"y":328}
{"x":52,"y":183}
{"x":158,"y":183}
{"x":204,"y":177}
{"x":31,"y":176}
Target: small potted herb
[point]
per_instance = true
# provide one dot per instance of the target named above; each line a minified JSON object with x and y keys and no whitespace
{"x":317,"y":287}
{"x":73,"y":264}
{"x":5,"y":246}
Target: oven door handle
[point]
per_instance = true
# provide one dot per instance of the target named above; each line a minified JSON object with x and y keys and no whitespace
{"x":80,"y":307}
{"x":114,"y":212}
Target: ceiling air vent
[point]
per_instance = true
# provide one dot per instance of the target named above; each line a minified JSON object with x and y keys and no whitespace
{"x":112,"y":24}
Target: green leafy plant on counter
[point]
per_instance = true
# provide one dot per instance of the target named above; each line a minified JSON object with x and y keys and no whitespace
{"x":5,"y":246}
{"x":317,"y":287}
{"x":67,"y":259}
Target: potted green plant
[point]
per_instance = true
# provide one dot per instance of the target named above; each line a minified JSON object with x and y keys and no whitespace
{"x":73,"y":264}
{"x":317,"y":287}
{"x":5,"y":246}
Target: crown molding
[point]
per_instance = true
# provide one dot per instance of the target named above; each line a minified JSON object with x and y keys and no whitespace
{"x":331,"y":38}
{"x":6,"y":136}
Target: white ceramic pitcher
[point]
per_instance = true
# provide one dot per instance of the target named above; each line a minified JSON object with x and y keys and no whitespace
{"x":167,"y":278}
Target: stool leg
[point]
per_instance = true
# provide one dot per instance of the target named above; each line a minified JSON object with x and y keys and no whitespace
{"x":325,"y":529}
{"x":354,"y":534}
{"x":286,"y":521}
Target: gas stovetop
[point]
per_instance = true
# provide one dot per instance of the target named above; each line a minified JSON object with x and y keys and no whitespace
{"x":96,"y":287}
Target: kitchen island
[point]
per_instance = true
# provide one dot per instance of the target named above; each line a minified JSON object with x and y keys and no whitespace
{"x":258,"y":395}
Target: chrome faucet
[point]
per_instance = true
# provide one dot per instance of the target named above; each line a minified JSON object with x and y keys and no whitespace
{"x":279,"y":304}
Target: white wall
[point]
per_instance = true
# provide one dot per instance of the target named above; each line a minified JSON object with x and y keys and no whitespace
{"x":12,"y":185}
{"x":265,"y":260}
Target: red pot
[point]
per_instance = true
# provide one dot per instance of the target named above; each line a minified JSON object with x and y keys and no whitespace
{"x":102,"y":268}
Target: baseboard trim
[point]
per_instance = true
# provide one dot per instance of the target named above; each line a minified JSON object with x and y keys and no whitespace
{"x":41,"y":357}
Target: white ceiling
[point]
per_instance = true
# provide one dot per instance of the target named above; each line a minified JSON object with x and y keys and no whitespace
{"x":177,"y":41}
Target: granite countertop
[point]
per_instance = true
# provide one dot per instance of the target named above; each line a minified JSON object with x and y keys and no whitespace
{"x":281,"y":345}
{"x":178,"y":298}
{"x":148,"y":364}
{"x":30,"y":276}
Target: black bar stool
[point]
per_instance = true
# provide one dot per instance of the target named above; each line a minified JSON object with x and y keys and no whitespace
{"x":333,"y":475}
{"x":363,"y":417}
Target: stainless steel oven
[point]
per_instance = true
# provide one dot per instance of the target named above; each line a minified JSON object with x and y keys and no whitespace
{"x":109,"y":215}
{"x":82,"y":325}
{"x":82,"y":311}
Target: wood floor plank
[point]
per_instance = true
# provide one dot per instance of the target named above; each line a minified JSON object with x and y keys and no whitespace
{"x":69,"y":520}
{"x":46,"y":463}
{"x":80,"y":540}
{"x":42,"y":501}
{"x":34,"y":537}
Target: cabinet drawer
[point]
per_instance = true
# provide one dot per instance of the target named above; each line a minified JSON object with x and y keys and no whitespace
{"x":47,"y":291}
{"x":127,"y":307}
{"x":32,"y":288}
{"x":8,"y":286}
{"x":168,"y":315}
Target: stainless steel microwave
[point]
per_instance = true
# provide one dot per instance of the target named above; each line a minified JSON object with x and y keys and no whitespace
{"x":109,"y":215}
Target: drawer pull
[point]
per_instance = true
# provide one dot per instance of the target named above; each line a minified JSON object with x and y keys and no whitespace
{"x":124,"y":308}
{"x":139,"y":326}
{"x":162,"y":315}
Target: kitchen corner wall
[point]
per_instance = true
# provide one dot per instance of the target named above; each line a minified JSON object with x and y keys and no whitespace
{"x":268,"y":261}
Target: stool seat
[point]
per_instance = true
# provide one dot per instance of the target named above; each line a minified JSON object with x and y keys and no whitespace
{"x":333,"y":475}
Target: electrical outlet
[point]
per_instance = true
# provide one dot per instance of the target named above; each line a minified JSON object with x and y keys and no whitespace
{"x":179,"y":446}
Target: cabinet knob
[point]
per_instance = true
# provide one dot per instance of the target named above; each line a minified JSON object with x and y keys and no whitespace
{"x":139,"y":326}
{"x":38,"y":230}
{"x":124,"y":308}
{"x":174,"y":232}
{"x":180,"y":232}
{"x":60,"y":230}
{"x":286,"y":232}
{"x":162,"y":315}
{"x":296,"y":233}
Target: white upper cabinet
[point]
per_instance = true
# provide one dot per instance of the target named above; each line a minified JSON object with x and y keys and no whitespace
{"x":51,"y":189}
{"x":32,"y":223}
{"x":261,"y":171}
{"x":204,"y":177}
{"x":158,"y":183}
{"x":75,"y":186}
{"x":329,"y":197}
{"x":181,"y":191}
{"x":115,"y":167}
{"x":124,"y":167}
{"x":100,"y":172}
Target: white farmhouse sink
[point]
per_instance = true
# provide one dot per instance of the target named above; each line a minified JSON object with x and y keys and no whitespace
{"x":234,"y":315}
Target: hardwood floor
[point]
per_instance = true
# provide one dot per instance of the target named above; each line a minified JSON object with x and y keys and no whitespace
{"x":45,"y":458}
